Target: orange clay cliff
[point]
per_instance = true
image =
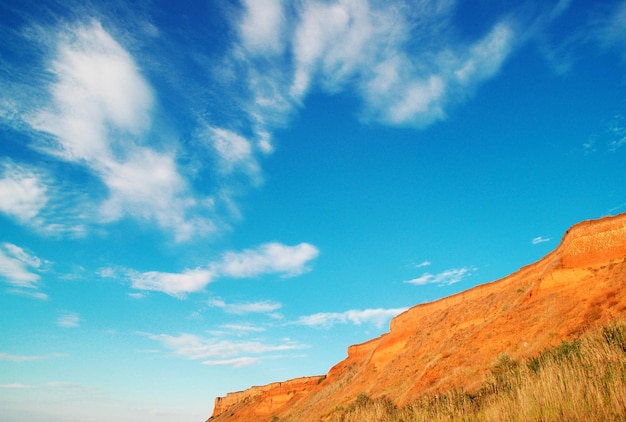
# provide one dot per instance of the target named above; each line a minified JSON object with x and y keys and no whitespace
{"x":453,"y":342}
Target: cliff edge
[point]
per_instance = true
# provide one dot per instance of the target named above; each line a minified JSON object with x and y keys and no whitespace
{"x":452,"y":342}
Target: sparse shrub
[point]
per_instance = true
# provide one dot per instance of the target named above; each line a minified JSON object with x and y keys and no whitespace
{"x":362,"y":400}
{"x":615,"y":336}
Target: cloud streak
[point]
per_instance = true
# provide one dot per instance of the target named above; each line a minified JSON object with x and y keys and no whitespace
{"x":268,"y":258}
{"x":98,"y":114}
{"x":262,"y":307}
{"x":377,"y":316}
{"x":23,"y":194}
{"x":19,"y":269}
{"x":540,"y":239}
{"x":8,"y":357}
{"x":68,"y":320}
{"x":215,"y":351}
{"x":444,"y":278}
{"x":368,"y":47}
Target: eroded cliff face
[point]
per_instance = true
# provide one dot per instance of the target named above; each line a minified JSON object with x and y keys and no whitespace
{"x":264,"y":400}
{"x":453,"y":342}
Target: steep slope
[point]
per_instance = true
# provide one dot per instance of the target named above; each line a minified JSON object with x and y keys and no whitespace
{"x":452,"y":342}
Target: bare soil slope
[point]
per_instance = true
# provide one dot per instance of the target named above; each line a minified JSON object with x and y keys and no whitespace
{"x":453,"y":342}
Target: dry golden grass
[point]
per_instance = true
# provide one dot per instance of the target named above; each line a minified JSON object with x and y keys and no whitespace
{"x":583,"y":380}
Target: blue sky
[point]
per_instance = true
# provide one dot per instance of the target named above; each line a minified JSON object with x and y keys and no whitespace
{"x":203,"y":196}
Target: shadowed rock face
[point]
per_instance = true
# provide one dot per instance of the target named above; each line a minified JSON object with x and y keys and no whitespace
{"x":452,"y":342}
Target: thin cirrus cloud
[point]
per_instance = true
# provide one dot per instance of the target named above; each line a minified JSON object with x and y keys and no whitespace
{"x":268,"y":258}
{"x":444,"y":278}
{"x":100,"y":106}
{"x":216,"y":351}
{"x":173,"y":284}
{"x":8,"y":357}
{"x":378,"y":317}
{"x":540,"y":239}
{"x":262,"y":307}
{"x":235,"y":363}
{"x":23,"y":193}
{"x":98,"y":114}
{"x":20,"y":270}
{"x":68,"y":320}
{"x":33,"y":198}
{"x":368,"y":47}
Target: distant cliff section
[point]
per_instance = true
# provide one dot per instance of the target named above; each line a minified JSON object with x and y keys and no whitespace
{"x":453,"y":342}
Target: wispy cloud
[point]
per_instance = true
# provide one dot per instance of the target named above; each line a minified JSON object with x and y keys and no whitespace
{"x":18,"y":268}
{"x":235,"y":362}
{"x":8,"y":357}
{"x":22,"y":192}
{"x":173,"y":284}
{"x":242,"y":328}
{"x":540,"y":239}
{"x":17,"y":386}
{"x":444,"y":278}
{"x":33,"y":294}
{"x":261,"y":27}
{"x":68,"y":320}
{"x":378,"y":317}
{"x":262,"y":307}
{"x":617,"y":128}
{"x":268,"y":258}
{"x":35,"y":199}
{"x":236,"y":153}
{"x":366,"y":46}
{"x":99,"y":116}
{"x":216,"y":351}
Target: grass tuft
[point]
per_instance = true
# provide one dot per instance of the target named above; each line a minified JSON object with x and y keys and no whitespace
{"x":581,"y":380}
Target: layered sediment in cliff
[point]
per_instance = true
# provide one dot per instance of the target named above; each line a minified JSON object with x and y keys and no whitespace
{"x":453,"y":342}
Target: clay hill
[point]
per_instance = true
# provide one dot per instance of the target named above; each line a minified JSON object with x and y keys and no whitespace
{"x":454,"y":341}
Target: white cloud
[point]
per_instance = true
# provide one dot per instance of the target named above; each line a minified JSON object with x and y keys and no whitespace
{"x":269,"y":258}
{"x":32,"y":197}
{"x":262,"y":307}
{"x":377,"y":317}
{"x":194,"y":347}
{"x":617,"y":127}
{"x":235,"y":362}
{"x":540,"y":239}
{"x":242,"y":328}
{"x":69,"y":320}
{"x":17,"y":266}
{"x":423,"y":264}
{"x":33,"y":294}
{"x":173,"y":284}
{"x":610,"y":29}
{"x":400,"y":57}
{"x":98,"y":88}
{"x":261,"y":26}
{"x":486,"y":56}
{"x":22,"y":192}
{"x":444,"y":278}
{"x":235,"y":153}
{"x":100,"y":117}
{"x":22,"y":358}
{"x":17,"y":386}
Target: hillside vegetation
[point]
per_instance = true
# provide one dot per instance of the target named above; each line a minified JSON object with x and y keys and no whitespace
{"x":581,"y":380}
